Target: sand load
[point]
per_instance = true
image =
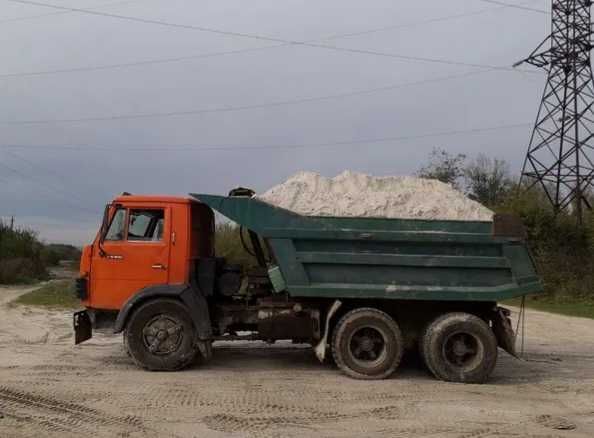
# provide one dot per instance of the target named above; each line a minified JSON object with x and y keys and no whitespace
{"x":353,"y":194}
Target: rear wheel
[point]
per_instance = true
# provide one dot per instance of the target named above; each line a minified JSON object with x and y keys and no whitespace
{"x":160,"y":335}
{"x":367,"y":344}
{"x":459,"y":347}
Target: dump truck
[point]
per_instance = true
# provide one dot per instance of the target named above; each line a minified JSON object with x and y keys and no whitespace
{"x":360,"y":291}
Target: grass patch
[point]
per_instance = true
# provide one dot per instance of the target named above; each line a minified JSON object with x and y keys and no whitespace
{"x":56,"y":294}
{"x":570,"y":306}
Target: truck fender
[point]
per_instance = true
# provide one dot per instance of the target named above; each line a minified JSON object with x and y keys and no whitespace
{"x":190,"y":296}
{"x":320,"y":348}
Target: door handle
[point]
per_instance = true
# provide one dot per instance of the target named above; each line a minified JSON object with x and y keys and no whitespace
{"x":159,"y":266}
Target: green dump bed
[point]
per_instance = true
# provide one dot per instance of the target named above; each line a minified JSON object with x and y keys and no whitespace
{"x":338,"y":257}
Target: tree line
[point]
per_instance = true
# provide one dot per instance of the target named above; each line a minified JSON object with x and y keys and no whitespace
{"x":24,"y":258}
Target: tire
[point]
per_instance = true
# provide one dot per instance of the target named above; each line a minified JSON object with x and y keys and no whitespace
{"x":367,"y":344}
{"x":125,"y":344}
{"x":459,"y":347}
{"x":160,"y":336}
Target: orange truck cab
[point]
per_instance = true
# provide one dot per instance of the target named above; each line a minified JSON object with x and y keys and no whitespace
{"x":147,"y":241}
{"x":148,"y":246}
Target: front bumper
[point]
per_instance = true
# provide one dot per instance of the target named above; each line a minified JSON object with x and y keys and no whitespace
{"x":83,"y":327}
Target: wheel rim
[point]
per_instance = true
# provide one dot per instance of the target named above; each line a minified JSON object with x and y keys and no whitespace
{"x":162,"y":335}
{"x":367,"y":346}
{"x":463,"y":350}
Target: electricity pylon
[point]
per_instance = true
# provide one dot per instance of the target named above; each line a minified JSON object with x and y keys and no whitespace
{"x":562,"y":141}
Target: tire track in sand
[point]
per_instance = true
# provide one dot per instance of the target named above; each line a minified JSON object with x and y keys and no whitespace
{"x":63,"y":416}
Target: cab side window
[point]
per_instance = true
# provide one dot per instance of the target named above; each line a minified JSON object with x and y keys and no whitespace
{"x":116,"y":227}
{"x":146,"y":225}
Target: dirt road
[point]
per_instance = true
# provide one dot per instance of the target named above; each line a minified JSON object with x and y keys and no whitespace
{"x":50,"y":388}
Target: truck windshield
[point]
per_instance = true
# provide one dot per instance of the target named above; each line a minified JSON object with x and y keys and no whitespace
{"x":116,"y":227}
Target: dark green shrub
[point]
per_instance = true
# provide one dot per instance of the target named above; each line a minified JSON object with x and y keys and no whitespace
{"x":21,"y":256}
{"x":563,"y":250}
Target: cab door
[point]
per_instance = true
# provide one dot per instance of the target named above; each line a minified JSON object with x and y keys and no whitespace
{"x":134,"y":254}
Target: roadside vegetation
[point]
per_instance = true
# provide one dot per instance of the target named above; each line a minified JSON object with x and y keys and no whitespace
{"x":57,"y":294}
{"x":25,"y":259}
{"x":582,"y":307}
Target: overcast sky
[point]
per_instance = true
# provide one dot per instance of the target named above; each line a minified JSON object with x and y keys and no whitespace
{"x":61,"y":191}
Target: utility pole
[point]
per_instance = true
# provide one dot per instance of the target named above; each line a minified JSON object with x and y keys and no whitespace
{"x":11,"y":223}
{"x":559,"y":156}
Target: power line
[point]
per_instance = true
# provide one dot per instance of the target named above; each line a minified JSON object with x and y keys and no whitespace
{"x":182,"y":148}
{"x":48,"y":189}
{"x":49,"y":14}
{"x":265,"y":38}
{"x":154,"y":22}
{"x":237,"y":51}
{"x":511,"y":5}
{"x":427,"y":21}
{"x":55,"y":174}
{"x":137,"y":63}
{"x":228,"y":109}
{"x":29,"y":17}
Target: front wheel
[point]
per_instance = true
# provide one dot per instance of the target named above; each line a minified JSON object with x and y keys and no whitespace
{"x":459,"y":347}
{"x":367,"y":344}
{"x":160,"y":335}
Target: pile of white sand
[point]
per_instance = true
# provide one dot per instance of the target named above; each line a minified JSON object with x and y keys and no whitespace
{"x":355,"y":194}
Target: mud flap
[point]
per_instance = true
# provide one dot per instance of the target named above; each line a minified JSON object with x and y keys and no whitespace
{"x":83,"y":329}
{"x":502,"y":327}
{"x":320,"y":349}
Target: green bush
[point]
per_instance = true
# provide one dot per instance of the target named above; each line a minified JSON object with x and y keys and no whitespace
{"x":21,"y":256}
{"x":563,"y":249}
{"x":24,"y":259}
{"x":54,"y":253}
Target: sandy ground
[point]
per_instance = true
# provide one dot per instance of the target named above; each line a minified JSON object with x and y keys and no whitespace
{"x":51,"y":388}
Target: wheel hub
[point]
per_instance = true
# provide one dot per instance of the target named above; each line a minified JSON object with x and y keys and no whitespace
{"x":367,"y":344}
{"x":162,"y":335}
{"x":461,"y":349}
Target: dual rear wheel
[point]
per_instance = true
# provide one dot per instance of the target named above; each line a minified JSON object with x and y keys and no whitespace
{"x":457,"y":347}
